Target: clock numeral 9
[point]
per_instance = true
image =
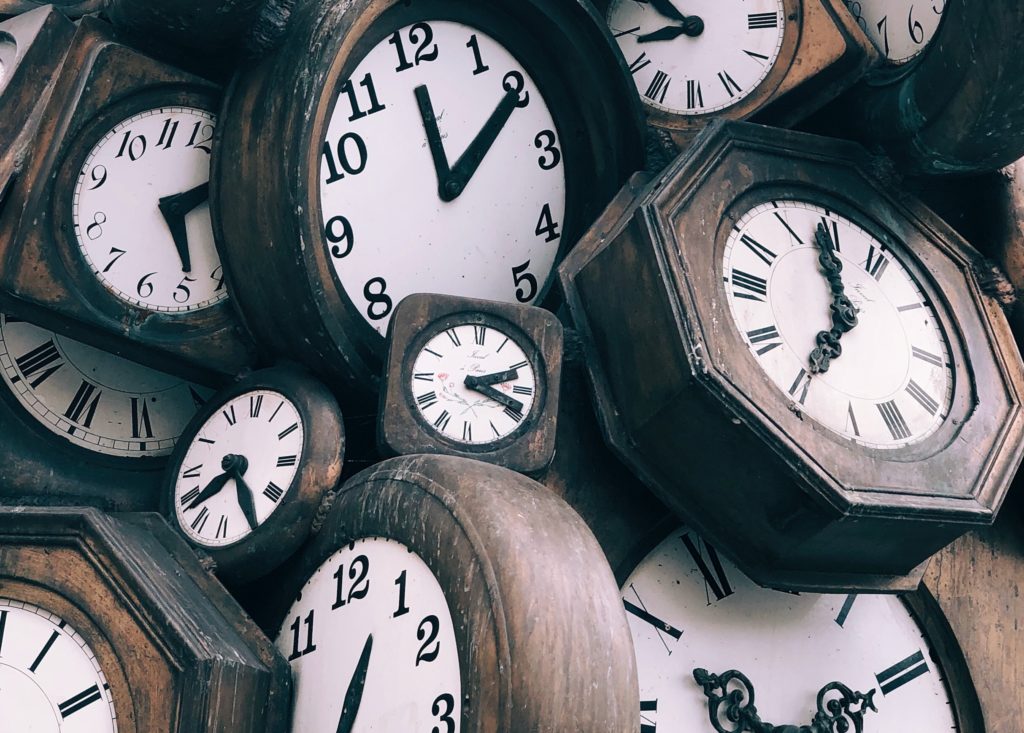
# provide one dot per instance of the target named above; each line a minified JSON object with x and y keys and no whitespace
{"x":423,"y":52}
{"x":380,"y":304}
{"x":444,"y":715}
{"x":334,"y":237}
{"x":296,"y":627}
{"x":98,"y":174}
{"x":514,"y":81}
{"x":545,"y":141}
{"x":547,"y":227}
{"x":353,"y":169}
{"x":145,"y":285}
{"x":135,"y":146}
{"x":360,"y":584}
{"x":520,"y":276}
{"x":95,"y":230}
{"x":428,"y":637}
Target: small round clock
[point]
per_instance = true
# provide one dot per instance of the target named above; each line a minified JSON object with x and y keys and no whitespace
{"x":473,"y":378}
{"x":407,"y":614}
{"x":690,"y":609}
{"x":462,"y":121}
{"x":901,"y":30}
{"x":252,"y":468}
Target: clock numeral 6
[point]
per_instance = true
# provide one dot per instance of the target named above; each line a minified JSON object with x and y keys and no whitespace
{"x":144,"y":287}
{"x":428,"y":637}
{"x":380,"y":304}
{"x":360,"y":584}
{"x":520,"y":276}
{"x":443,"y":707}
{"x":545,"y":141}
{"x":343,"y":148}
{"x":514,"y":81}
{"x":423,"y":53}
{"x":95,"y":230}
{"x":335,"y":237}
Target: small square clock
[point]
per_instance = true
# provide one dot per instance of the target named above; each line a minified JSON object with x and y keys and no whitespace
{"x":472,"y":378}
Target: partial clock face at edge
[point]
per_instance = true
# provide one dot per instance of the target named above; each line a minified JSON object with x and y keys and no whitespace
{"x":718,"y":66}
{"x":50,"y":680}
{"x":892,"y":386}
{"x":371,"y":630}
{"x":141,"y":214}
{"x":93,"y":399}
{"x":259,"y":436}
{"x":498,"y":406}
{"x":901,"y":29}
{"x":405,"y":117}
{"x":689,"y":608}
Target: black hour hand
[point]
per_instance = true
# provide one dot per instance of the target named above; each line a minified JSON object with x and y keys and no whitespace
{"x":354,"y":693}
{"x":212,"y":489}
{"x":491,"y":379}
{"x":499,"y":397}
{"x":174,"y":209}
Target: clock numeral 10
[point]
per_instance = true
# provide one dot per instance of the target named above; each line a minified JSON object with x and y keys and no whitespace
{"x":134,"y":146}
{"x":296,"y":627}
{"x":357,"y":573}
{"x":343,"y":159}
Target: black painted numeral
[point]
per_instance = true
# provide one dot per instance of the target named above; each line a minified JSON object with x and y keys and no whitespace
{"x":844,"y":612}
{"x":357,"y":572}
{"x":284,"y":461}
{"x":522,"y":390}
{"x":40,"y":363}
{"x":711,"y":569}
{"x":769,"y":336}
{"x":296,"y":627}
{"x":288,"y":431}
{"x":453,"y":337}
{"x":756,"y":287}
{"x":648,"y":709}
{"x":43,"y":652}
{"x":427,"y":633}
{"x":924,"y":399}
{"x":190,"y":496}
{"x":200,"y":520}
{"x":894,"y":420}
{"x":658,"y":87}
{"x":729,"y":83}
{"x":902,"y":672}
{"x":480,"y":335}
{"x":801,"y":384}
{"x":421,"y":35}
{"x":427,"y":399}
{"x":474,"y":45}
{"x":876,"y":263}
{"x":82,"y":699}
{"x":515,"y":415}
{"x":192,"y":472}
{"x":762,"y":20}
{"x":521,"y":277}
{"x":443,"y":707}
{"x":547,"y":227}
{"x":255,"y":405}
{"x":349,"y":144}
{"x":402,"y":608}
{"x":229,"y":415}
{"x":83,"y":406}
{"x":639,"y":63}
{"x":380,"y":303}
{"x":759,"y":250}
{"x":142,"y":427}
{"x":926,"y":357}
{"x":273,"y":492}
{"x":353,"y":98}
{"x":441,"y":423}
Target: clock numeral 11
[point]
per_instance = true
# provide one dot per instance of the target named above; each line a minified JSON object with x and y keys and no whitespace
{"x":353,"y":98}
{"x":296,"y":628}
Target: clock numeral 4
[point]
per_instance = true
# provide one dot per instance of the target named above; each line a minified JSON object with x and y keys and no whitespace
{"x":142,"y":426}
{"x":547,"y":227}
{"x":546,"y":140}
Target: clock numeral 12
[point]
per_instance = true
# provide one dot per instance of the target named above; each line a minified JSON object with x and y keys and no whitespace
{"x":357,"y":572}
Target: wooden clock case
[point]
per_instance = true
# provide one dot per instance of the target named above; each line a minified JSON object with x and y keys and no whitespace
{"x":70,"y":8}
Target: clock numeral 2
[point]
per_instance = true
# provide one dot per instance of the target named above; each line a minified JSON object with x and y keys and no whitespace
{"x":521,"y":276}
{"x":902,"y":672}
{"x":694,"y":94}
{"x":82,"y":699}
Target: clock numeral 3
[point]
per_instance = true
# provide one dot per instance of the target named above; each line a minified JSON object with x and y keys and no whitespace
{"x":545,"y":141}
{"x":443,"y":707}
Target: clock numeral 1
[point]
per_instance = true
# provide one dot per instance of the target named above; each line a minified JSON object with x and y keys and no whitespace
{"x":255,"y":405}
{"x":902,"y":672}
{"x":658,"y":87}
{"x":353,"y":98}
{"x":647,"y":724}
{"x":288,"y":431}
{"x":802,"y":383}
{"x":273,"y":492}
{"x":276,"y":410}
{"x":82,"y":409}
{"x":893,"y":419}
{"x":46,"y":648}
{"x":479,"y":335}
{"x":43,"y":360}
{"x":694,"y":94}
{"x":769,"y":334}
{"x":441,"y":423}
{"x":787,"y":226}
{"x":140,"y":419}
{"x":474,"y":45}
{"x":844,"y":612}
{"x":762,"y":252}
{"x":756,"y":287}
{"x":79,"y":701}
{"x":518,"y":366}
{"x":402,"y":608}
{"x":654,"y":621}
{"x":640,"y":63}
{"x":762,"y":20}
{"x":923,"y":398}
{"x":730,"y":85}
{"x":190,"y":496}
{"x":714,"y":574}
{"x":296,"y":627}
{"x":200,"y":521}
{"x":229,"y":415}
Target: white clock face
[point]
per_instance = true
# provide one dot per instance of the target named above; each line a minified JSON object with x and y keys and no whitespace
{"x":901,"y":29}
{"x":714,"y":67}
{"x":493,"y":407}
{"x":94,"y":399}
{"x":238,"y":468}
{"x":50,"y":680}
{"x":401,"y":129}
{"x":141,"y":211}
{"x":8,"y":51}
{"x":371,"y":629}
{"x":688,"y":608}
{"x":892,"y":386}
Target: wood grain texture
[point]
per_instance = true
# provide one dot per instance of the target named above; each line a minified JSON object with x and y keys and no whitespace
{"x":543,"y":641}
{"x":680,"y":395}
{"x":180,"y":654}
{"x":71,"y":8}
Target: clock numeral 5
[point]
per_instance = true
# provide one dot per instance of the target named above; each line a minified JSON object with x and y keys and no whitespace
{"x":357,"y":572}
{"x":520,"y":276}
{"x":343,"y":147}
{"x":426,"y":51}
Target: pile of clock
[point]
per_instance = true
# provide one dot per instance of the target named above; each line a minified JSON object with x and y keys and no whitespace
{"x":229,"y":229}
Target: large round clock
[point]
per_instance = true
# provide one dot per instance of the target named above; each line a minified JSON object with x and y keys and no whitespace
{"x":408,"y":614}
{"x":690,"y":609}
{"x":460,"y":122}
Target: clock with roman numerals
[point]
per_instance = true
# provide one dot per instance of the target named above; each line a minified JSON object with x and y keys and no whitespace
{"x":493,"y":133}
{"x":252,"y":468}
{"x":690,"y":608}
{"x":695,"y":60}
{"x":815,"y":348}
{"x":473,"y":378}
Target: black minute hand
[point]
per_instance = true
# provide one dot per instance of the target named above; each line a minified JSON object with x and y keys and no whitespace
{"x":666,"y":8}
{"x":174,"y":209}
{"x":354,"y":693}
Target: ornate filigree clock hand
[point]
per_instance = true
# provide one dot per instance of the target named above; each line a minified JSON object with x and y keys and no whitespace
{"x":354,"y":693}
{"x":486,"y":390}
{"x":453,"y":181}
{"x":733,"y":690}
{"x":174,"y":209}
{"x":844,"y":314}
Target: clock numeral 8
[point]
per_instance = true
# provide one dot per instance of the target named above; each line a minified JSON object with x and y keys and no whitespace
{"x":343,"y":159}
{"x":519,"y":276}
{"x":95,"y":230}
{"x":334,"y":237}
{"x":446,"y":716}
{"x":380,"y":304}
{"x":514,"y":81}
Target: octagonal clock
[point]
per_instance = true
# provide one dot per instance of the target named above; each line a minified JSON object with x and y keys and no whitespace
{"x":817,"y":350}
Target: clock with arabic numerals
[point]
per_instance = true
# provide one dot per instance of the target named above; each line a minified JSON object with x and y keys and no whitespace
{"x":106,"y":233}
{"x":818,"y":350}
{"x":473,"y":378}
{"x":252,"y":468}
{"x":921,"y":106}
{"x":492,"y":133}
{"x":405,"y":613}
{"x":696,"y":60}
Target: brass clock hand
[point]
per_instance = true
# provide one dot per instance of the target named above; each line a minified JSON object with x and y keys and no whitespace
{"x":491,"y":379}
{"x":843,"y":312}
{"x":354,"y":693}
{"x":500,"y":398}
{"x":174,"y":209}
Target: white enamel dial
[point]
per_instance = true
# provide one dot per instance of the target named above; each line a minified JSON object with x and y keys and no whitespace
{"x":689,"y":608}
{"x":263,"y":430}
{"x":473,"y":416}
{"x":372,"y":627}
{"x":141,"y":211}
{"x":499,"y":237}
{"x":892,"y":386}
{"x":92,"y":398}
{"x":50,"y":680}
{"x":734,"y":51}
{"x":901,"y":29}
